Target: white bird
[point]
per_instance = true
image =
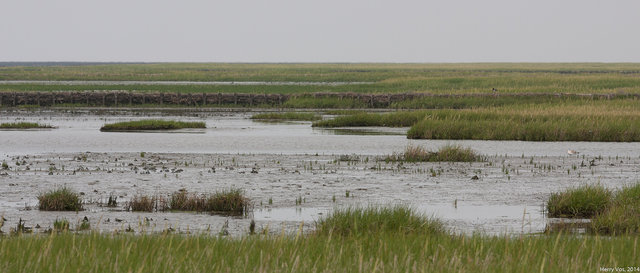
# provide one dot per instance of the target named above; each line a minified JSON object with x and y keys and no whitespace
{"x":573,"y":152}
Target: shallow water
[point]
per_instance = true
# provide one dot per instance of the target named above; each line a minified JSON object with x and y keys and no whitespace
{"x":288,"y":168}
{"x":236,"y":133}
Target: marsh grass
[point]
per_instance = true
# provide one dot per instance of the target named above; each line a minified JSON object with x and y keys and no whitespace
{"x":592,"y":122}
{"x":61,"y":199}
{"x":372,"y":221}
{"x":446,"y":153}
{"x":24,"y":125}
{"x":623,"y":214}
{"x":287,"y":116}
{"x":581,"y":202}
{"x":151,"y":124}
{"x":373,"y":239}
{"x":231,"y":201}
{"x":382,"y":78}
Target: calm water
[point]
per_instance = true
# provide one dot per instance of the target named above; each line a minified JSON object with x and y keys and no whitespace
{"x":236,"y":133}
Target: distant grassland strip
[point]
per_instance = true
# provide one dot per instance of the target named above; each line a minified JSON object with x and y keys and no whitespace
{"x":151,"y":124}
{"x":586,"y":78}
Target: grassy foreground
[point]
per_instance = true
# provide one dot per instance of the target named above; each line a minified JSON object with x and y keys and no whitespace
{"x":386,"y":251}
{"x":151,"y":124}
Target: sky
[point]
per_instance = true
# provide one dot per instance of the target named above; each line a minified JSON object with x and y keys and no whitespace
{"x":396,"y":31}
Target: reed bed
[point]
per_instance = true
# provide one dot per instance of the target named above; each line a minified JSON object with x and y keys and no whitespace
{"x":287,"y":116}
{"x":151,"y":124}
{"x":23,"y":125}
{"x":61,"y":199}
{"x":446,"y":153}
{"x":231,"y":201}
{"x":146,"y":203}
{"x":533,"y":123}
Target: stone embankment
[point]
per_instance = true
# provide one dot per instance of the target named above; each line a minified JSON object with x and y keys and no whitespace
{"x":127,"y":98}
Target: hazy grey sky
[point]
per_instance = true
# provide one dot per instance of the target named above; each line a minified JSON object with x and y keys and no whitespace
{"x":321,"y":31}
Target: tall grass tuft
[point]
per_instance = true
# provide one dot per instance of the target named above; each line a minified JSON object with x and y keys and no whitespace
{"x":378,"y":220}
{"x":582,"y":202}
{"x":61,"y":199}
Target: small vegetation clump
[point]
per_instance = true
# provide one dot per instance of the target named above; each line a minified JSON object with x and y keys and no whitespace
{"x":230,"y":201}
{"x":378,"y":220}
{"x":146,"y":203}
{"x":23,"y":125}
{"x":287,"y":116}
{"x":62,"y":199}
{"x":582,"y":202}
{"x":151,"y":124}
{"x":448,"y":153}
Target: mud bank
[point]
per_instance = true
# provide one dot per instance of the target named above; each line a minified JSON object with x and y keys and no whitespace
{"x":507,"y":197}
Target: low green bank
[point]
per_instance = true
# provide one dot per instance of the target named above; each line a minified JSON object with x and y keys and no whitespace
{"x":23,"y":125}
{"x":151,"y":124}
